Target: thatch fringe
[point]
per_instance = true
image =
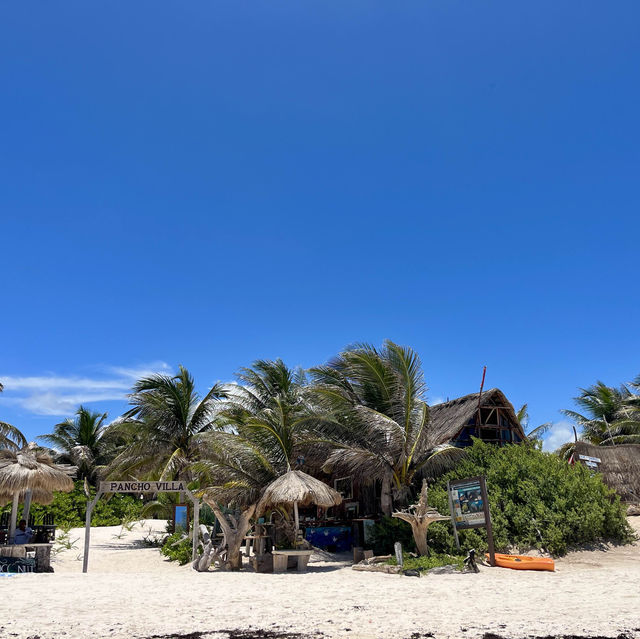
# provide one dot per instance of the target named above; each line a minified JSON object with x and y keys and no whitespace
{"x":296,"y":486}
{"x":620,"y":467}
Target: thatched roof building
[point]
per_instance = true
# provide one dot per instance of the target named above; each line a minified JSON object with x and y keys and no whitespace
{"x":619,"y":466}
{"x":489,"y":417}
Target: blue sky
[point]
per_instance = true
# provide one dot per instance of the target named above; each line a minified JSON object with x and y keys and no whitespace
{"x":208,"y":183}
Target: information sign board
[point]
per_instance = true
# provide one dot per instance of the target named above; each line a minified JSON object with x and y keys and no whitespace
{"x":468,"y":504}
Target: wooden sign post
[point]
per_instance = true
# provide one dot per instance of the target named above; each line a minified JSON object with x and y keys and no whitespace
{"x":469,"y":505}
{"x":141,"y":487}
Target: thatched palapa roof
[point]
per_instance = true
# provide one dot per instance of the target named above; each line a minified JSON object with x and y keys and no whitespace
{"x":38,"y":496}
{"x":448,"y":418}
{"x":296,"y":486}
{"x":29,"y":469}
{"x":619,"y":466}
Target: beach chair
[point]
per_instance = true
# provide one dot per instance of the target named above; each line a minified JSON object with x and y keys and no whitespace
{"x":49,"y":528}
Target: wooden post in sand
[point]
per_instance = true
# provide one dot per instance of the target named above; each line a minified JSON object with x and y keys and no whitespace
{"x":87,"y":530}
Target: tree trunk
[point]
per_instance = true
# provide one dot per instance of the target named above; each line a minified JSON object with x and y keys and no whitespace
{"x":234,"y":532}
{"x":419,"y":529}
{"x":421,"y":517}
{"x":386,"y":500}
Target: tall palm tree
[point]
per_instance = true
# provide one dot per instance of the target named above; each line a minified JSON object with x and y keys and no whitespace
{"x":83,"y":441}
{"x":379,"y":419}
{"x":11,"y":437}
{"x":164,"y":430}
{"x":266,"y":423}
{"x":607,"y":416}
{"x":271,"y":403}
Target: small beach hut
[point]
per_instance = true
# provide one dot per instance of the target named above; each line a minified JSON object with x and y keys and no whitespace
{"x":297,"y":488}
{"x":30,"y":470}
{"x":489,"y":416}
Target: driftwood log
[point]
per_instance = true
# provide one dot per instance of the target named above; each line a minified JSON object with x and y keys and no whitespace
{"x":420,"y":516}
{"x":390,"y":570}
{"x":211,"y":554}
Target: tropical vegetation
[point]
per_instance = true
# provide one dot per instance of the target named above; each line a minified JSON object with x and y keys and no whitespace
{"x":164,"y":429}
{"x":608,"y":415}
{"x":83,"y":441}
{"x":378,"y":419}
{"x":364,"y":414}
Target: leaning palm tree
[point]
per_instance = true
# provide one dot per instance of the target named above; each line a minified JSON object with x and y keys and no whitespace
{"x":165,"y":428}
{"x":607,"y":416}
{"x":11,"y":437}
{"x":83,"y":441}
{"x":378,"y":420}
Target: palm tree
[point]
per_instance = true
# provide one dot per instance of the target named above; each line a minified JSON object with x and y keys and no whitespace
{"x":629,"y":425}
{"x":608,"y":415}
{"x":535,"y":433}
{"x":270,"y":402}
{"x":83,"y":441}
{"x":266,"y":423}
{"x":164,"y":430}
{"x":378,"y":420}
{"x":11,"y":437}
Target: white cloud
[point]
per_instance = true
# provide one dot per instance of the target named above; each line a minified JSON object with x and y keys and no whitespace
{"x":61,"y":395}
{"x":143,"y":370}
{"x":435,"y":400}
{"x":560,"y":433}
{"x":53,"y":382}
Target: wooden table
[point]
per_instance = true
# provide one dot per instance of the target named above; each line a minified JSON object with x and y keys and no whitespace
{"x":259,"y":543}
{"x":281,"y":559}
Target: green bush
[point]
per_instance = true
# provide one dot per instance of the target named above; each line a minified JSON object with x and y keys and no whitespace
{"x":69,"y":509}
{"x":177,"y":548}
{"x":387,"y":531}
{"x":537,"y":500}
{"x":434,"y":560}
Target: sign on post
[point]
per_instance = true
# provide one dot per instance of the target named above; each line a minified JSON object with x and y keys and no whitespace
{"x":142,"y":487}
{"x":590,"y":462}
{"x":469,"y":505}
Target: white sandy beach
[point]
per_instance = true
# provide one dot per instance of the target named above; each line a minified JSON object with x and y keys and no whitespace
{"x":131,"y":591}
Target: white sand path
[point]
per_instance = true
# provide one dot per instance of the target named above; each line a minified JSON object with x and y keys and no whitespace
{"x":131,"y":591}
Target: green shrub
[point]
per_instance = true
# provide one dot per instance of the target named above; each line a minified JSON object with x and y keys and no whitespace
{"x":177,"y":548}
{"x":387,"y":531}
{"x":434,"y":560}
{"x":537,"y":500}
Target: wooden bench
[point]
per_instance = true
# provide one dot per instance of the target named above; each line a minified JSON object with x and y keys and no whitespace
{"x":281,"y":559}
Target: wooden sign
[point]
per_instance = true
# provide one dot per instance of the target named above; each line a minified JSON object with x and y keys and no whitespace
{"x":143,"y":486}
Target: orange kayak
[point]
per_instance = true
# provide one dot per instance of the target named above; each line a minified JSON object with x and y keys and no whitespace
{"x":522,"y":562}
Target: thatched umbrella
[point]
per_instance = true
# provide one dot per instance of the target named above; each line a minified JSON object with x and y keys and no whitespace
{"x":296,"y":487}
{"x":28,"y":469}
{"x":38,"y":496}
